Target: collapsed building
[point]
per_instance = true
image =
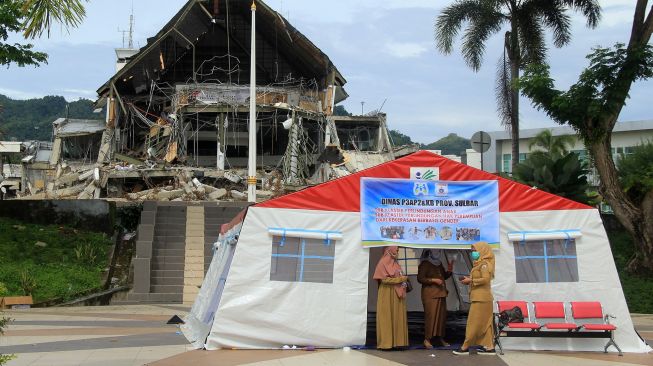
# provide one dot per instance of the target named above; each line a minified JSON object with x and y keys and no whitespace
{"x":10,"y":172}
{"x":177,"y":116}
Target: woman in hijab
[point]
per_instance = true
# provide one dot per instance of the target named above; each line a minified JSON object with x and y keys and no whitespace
{"x":479,"y":329}
{"x":391,"y":323}
{"x":432,"y":276}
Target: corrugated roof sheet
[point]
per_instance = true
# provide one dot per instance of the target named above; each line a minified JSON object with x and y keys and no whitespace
{"x":9,"y":146}
{"x":77,"y":127}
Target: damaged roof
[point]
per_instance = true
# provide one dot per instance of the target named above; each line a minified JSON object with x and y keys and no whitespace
{"x":65,"y":127}
{"x":194,"y":19}
{"x":10,"y":147}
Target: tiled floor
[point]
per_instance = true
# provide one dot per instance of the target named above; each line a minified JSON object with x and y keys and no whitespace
{"x":138,"y":335}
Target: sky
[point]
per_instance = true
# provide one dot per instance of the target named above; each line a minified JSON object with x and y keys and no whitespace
{"x":384,"y":49}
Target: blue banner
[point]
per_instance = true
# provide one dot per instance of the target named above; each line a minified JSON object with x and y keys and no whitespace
{"x":429,"y":214}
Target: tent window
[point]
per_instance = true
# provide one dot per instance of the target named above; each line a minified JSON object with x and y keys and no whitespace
{"x":298,"y":259}
{"x":544,"y":261}
{"x":408,"y":260}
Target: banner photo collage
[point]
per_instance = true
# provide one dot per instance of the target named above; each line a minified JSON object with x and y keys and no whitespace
{"x":429,"y":214}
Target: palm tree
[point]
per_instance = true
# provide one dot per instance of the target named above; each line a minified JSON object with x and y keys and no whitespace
{"x":40,"y":15}
{"x":553,"y":145}
{"x":34,"y":18}
{"x":524,"y":42}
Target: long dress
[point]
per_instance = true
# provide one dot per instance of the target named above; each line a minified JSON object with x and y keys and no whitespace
{"x":391,"y":322}
{"x":480,"y":330}
{"x":434,"y":299}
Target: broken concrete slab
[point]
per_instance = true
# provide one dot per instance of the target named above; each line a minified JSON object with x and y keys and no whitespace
{"x":238,"y":195}
{"x":264,"y":194}
{"x":71,"y":191}
{"x":217,"y":194}
{"x":67,"y":179}
{"x":85,"y":175}
{"x":127,"y":159}
{"x":170,"y":195}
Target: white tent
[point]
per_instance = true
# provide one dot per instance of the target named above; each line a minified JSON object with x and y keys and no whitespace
{"x":293,"y":270}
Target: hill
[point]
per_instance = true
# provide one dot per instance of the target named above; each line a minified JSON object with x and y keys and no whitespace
{"x":452,"y":144}
{"x":31,"y":119}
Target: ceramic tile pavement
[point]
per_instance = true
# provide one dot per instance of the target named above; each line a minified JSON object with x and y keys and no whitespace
{"x":408,"y":358}
{"x":577,"y":359}
{"x":136,"y":335}
{"x":115,"y":335}
{"x":129,"y":356}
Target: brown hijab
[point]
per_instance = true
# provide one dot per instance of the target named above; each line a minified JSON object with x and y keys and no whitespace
{"x":487,"y":256}
{"x":389,"y":268}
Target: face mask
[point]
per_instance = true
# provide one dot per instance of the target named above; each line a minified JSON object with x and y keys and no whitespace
{"x":476,"y":255}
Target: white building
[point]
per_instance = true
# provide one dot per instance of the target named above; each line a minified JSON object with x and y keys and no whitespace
{"x":498,"y":159}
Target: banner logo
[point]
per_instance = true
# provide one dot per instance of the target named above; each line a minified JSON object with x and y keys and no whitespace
{"x":421,"y":189}
{"x":432,"y":173}
{"x":441,"y":189}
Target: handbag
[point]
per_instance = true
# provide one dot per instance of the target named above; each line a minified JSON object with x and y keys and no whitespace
{"x":409,"y":285}
{"x":513,"y":315}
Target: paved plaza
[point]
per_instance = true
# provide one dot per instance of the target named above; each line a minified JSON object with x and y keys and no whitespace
{"x":139,"y":335}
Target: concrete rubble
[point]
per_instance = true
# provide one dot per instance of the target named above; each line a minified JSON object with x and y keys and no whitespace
{"x":176,"y":119}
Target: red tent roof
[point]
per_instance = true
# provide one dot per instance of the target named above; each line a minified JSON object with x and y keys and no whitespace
{"x":343,"y":194}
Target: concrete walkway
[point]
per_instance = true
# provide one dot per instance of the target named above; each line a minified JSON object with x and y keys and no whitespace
{"x":138,"y":335}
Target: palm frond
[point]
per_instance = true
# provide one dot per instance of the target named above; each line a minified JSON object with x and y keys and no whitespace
{"x":450,"y":21}
{"x":531,"y":39}
{"x":503,"y":90}
{"x":40,"y":15}
{"x":487,"y":22}
{"x":553,"y":15}
{"x":591,"y":9}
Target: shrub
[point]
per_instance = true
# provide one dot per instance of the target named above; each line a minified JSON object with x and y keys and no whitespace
{"x":27,"y":282}
{"x":66,"y":262}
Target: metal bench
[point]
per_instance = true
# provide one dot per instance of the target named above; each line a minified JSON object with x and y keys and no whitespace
{"x":550,"y":320}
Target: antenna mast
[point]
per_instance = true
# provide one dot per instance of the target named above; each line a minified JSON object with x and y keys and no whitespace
{"x":131,"y":27}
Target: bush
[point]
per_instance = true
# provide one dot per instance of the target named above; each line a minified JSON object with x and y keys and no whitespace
{"x":638,"y":290}
{"x":561,"y":175}
{"x":50,"y":262}
{"x":636,"y":171}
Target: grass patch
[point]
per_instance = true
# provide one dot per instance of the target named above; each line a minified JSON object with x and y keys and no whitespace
{"x":50,"y":262}
{"x":638,"y":289}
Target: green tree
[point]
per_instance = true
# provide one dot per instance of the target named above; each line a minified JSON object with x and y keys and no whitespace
{"x":524,"y":42}
{"x":11,"y":16}
{"x":592,"y":106}
{"x":452,"y":144}
{"x":340,"y":110}
{"x":399,"y":139}
{"x":33,"y":18}
{"x":636,"y":171}
{"x":563,"y":175}
{"x":32,"y":119}
{"x":554,"y":145}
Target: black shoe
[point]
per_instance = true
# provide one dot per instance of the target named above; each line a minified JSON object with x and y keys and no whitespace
{"x":483,"y":351}
{"x":461,"y":352}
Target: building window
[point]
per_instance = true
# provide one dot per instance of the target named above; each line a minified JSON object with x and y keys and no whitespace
{"x":507,"y":167}
{"x":408,"y":259}
{"x":303,"y":255}
{"x":522,"y":157}
{"x":582,"y":154}
{"x":545,"y":261}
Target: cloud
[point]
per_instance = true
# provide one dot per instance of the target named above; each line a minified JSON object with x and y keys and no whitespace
{"x":18,"y":94}
{"x":405,"y":49}
{"x":84,"y":93}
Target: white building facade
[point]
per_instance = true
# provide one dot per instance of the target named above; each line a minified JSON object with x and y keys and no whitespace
{"x":498,"y":159}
